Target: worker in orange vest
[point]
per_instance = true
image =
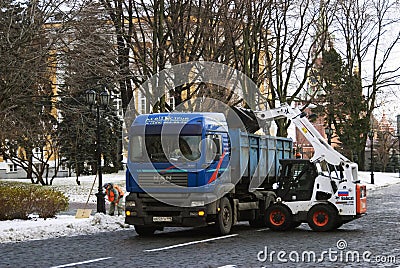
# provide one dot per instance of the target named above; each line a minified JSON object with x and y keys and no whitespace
{"x":114,"y":194}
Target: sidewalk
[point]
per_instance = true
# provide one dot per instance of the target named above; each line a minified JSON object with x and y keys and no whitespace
{"x":74,"y":206}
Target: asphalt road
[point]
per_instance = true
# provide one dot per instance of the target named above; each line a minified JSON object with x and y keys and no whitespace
{"x":371,"y":241}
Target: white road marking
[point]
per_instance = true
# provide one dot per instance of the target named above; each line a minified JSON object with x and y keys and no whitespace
{"x":228,"y":266}
{"x":83,"y":262}
{"x":261,"y":230}
{"x":190,"y":243}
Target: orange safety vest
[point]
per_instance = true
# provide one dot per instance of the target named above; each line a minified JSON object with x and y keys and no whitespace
{"x":120,"y":192}
{"x":110,"y":194}
{"x":113,"y":191}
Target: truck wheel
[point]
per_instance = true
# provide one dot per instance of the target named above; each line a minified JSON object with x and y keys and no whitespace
{"x":224,"y":217}
{"x":322,"y":218}
{"x":145,"y":230}
{"x":279,"y":218}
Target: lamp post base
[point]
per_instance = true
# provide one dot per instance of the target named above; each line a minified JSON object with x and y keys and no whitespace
{"x":372,"y":178}
{"x":101,"y":202}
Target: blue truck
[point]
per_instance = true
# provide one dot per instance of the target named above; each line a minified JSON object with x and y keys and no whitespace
{"x":193,"y":169}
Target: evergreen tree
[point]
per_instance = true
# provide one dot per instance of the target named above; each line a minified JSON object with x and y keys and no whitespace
{"x":343,"y":105}
{"x":350,"y":121}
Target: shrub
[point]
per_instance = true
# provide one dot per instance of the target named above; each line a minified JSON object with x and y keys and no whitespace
{"x":51,"y":202}
{"x":18,"y":200}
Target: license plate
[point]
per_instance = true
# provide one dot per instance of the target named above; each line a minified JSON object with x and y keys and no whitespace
{"x":162,"y":219}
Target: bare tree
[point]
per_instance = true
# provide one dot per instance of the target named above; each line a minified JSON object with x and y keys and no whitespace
{"x":295,"y":43}
{"x":120,"y":14}
{"x":26,"y":84}
{"x":387,"y":144}
{"x":153,"y":35}
{"x":368,"y":32}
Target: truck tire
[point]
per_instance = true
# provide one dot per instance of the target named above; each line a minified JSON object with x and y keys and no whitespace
{"x":224,"y":218}
{"x":322,"y":218}
{"x":279,"y":218}
{"x":145,"y":230}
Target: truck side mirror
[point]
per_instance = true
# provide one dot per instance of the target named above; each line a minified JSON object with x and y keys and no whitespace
{"x":214,"y":147}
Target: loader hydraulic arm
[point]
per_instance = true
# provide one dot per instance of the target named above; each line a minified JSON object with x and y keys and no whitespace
{"x":323,"y":151}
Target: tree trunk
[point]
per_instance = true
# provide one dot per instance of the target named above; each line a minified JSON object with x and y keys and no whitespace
{"x":30,"y":167}
{"x":77,"y":173}
{"x":282,"y":128}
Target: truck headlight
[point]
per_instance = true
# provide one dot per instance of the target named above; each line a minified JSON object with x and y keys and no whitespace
{"x":197,"y":203}
{"x":130,"y":203}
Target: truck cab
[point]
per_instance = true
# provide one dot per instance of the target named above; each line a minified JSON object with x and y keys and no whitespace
{"x":174,"y":162}
{"x":296,"y":181}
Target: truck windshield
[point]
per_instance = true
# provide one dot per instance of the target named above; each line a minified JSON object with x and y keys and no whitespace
{"x":169,"y":148}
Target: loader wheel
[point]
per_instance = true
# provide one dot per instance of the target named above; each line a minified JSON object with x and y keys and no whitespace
{"x":145,"y":230}
{"x":279,"y":218}
{"x":224,"y":218}
{"x":322,"y":218}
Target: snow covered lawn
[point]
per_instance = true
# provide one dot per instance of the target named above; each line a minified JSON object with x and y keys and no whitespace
{"x":64,"y":225}
{"x":381,"y":179}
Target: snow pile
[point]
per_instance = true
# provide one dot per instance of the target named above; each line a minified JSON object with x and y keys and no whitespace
{"x":62,"y":225}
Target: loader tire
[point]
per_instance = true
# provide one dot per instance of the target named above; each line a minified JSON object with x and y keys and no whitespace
{"x":322,"y":218}
{"x":279,"y":218}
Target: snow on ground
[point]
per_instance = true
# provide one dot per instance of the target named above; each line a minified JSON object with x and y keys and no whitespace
{"x":62,"y":225}
{"x":380,"y":179}
{"x":66,"y":225}
{"x":79,"y":193}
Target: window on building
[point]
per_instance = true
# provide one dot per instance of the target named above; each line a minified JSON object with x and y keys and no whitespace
{"x":172,"y":102}
{"x":12,"y":168}
{"x":37,"y":152}
{"x":117,"y":104}
{"x":142,"y":105}
{"x":63,"y":167}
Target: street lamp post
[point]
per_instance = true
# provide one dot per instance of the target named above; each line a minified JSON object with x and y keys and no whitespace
{"x":329,"y":134}
{"x":98,"y":100}
{"x":371,"y":137}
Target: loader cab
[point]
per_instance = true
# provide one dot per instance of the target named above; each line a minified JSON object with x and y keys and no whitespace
{"x":296,"y":181}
